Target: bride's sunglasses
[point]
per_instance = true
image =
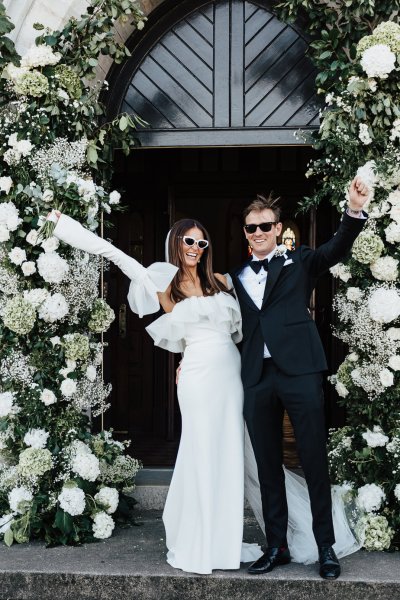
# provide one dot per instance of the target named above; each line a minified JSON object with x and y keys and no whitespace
{"x":189,"y":241}
{"x":265,"y":227}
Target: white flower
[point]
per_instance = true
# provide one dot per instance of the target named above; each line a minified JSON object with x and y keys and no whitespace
{"x":28,"y":268}
{"x":370,"y":497}
{"x":51,"y":244}
{"x":342,"y":271}
{"x":378,"y":61}
{"x":52,"y":267}
{"x":103,"y":526}
{"x":375,"y":438}
{"x":54,"y":308}
{"x":392,"y":233}
{"x":9,"y":216}
{"x":40,"y":56}
{"x":48,"y":397}
{"x":397,"y":491}
{"x":386,"y":377}
{"x":17,"y":255}
{"x":86,"y":465}
{"x":385,"y":268}
{"x":372,"y":84}
{"x":32,"y":237}
{"x":48,"y":196}
{"x":394,"y":362}
{"x":68,"y":387}
{"x":36,"y":438}
{"x":72,"y":500}
{"x":6,"y":403}
{"x":18,"y":499}
{"x":36,"y":296}
{"x":6,"y":184}
{"x":5,"y":523}
{"x":114,"y":197}
{"x":354,"y":294}
{"x":376,"y":211}
{"x":91,"y":373}
{"x":384,"y":305}
{"x":341,"y":389}
{"x":109,"y":498}
{"x":394,"y":198}
{"x":71,"y":364}
{"x":55,"y":340}
{"x":393,"y":333}
{"x":4,"y":233}
{"x":395,"y":131}
{"x":140,"y":25}
{"x":364,"y":134}
{"x":62,"y":95}
{"x":395,"y":213}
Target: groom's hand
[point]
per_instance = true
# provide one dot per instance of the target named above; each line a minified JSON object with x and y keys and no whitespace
{"x":358,"y":194}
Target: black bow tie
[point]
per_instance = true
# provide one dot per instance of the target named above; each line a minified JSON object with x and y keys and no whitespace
{"x":257,"y":264}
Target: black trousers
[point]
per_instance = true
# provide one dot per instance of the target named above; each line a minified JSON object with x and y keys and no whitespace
{"x":264,"y":405}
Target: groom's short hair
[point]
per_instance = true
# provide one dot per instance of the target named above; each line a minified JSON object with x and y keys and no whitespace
{"x":261,"y":202}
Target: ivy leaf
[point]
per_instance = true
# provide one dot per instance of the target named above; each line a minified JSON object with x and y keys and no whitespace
{"x":63,"y":521}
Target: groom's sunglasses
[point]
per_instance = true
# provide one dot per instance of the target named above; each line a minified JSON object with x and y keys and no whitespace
{"x":267,"y":226}
{"x":189,"y":241}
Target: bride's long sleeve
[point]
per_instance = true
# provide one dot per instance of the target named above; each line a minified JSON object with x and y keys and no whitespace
{"x":145,"y":283}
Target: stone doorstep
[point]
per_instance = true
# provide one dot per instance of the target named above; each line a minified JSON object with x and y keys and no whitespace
{"x":131,"y":566}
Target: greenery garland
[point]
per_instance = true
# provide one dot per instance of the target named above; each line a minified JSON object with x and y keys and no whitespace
{"x":58,"y":481}
{"x":357,"y":52}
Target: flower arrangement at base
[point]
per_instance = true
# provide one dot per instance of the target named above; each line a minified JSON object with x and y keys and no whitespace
{"x":58,"y":481}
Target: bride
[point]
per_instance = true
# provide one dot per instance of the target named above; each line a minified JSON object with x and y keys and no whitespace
{"x":203,"y":514}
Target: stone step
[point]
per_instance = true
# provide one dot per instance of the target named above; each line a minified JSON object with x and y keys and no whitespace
{"x":131,"y":566}
{"x":152,"y":488}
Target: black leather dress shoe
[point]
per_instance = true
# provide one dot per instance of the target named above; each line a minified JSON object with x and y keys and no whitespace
{"x":329,"y":567}
{"x":273,"y":557}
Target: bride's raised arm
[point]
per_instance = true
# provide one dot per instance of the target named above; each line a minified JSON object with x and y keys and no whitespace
{"x":146,"y":283}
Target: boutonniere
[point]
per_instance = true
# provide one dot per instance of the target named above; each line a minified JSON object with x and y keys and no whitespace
{"x":281,"y":250}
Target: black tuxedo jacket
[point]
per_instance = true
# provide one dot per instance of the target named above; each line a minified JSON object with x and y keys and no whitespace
{"x":284,"y":322}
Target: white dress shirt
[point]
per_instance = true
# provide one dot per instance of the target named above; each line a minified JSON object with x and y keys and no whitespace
{"x":254,"y":284}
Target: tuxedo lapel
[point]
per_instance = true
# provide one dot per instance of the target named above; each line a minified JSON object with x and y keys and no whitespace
{"x":274,"y":268}
{"x":240,"y":289}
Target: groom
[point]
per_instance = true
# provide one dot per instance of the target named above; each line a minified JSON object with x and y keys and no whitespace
{"x":282,"y":364}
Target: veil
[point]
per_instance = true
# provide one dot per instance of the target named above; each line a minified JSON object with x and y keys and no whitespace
{"x":301,"y":542}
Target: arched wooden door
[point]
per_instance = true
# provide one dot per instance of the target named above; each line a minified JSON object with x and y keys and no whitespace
{"x":223,"y":87}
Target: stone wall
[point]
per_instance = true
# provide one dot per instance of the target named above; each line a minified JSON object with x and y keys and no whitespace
{"x":24,"y":13}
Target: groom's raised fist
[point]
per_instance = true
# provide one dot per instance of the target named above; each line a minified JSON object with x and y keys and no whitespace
{"x":358,"y":194}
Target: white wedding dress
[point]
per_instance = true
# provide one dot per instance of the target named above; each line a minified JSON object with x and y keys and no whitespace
{"x":203,"y":515}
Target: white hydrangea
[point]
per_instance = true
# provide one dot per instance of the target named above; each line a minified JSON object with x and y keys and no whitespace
{"x":394,"y":198}
{"x":52,"y":267}
{"x":40,"y":56}
{"x":370,"y":497}
{"x":385,"y":268}
{"x":9,"y":216}
{"x":353,"y":357}
{"x":72,"y":500}
{"x":109,"y":498}
{"x":393,"y":333}
{"x":378,"y":61}
{"x":394,"y":362}
{"x":54,"y":308}
{"x":36,"y":296}
{"x":384,"y":305}
{"x":48,"y":397}
{"x":86,"y":465}
{"x":68,"y":387}
{"x":19,"y":498}
{"x":386,"y":377}
{"x":354,"y":294}
{"x":6,"y":403}
{"x":395,"y":131}
{"x":51,"y":244}
{"x":342,"y":271}
{"x":395,"y":213}
{"x":4,"y":233}
{"x":397,"y":491}
{"x":363,"y":134}
{"x":6,"y":184}
{"x":392,"y":233}
{"x":375,"y":438}
{"x":103,"y":525}
{"x":114,"y":197}
{"x":36,"y":438}
{"x":17,"y":255}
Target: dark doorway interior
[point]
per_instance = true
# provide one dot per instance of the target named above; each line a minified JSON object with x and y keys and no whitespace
{"x":212,"y":185}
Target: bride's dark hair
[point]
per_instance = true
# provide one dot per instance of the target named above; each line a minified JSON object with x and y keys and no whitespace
{"x":209,"y":283}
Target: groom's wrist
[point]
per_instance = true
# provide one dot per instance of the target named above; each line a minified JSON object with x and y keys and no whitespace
{"x":354,"y":212}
